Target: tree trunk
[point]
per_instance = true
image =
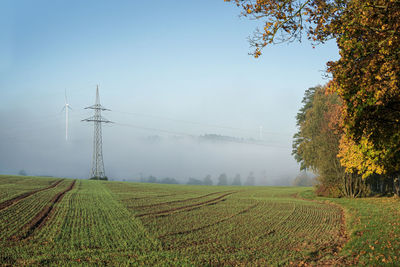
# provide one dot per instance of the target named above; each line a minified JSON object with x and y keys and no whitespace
{"x":396,"y":185}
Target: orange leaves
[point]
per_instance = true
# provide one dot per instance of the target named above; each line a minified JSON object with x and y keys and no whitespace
{"x":367,"y":75}
{"x":288,"y":19}
{"x":361,"y":157}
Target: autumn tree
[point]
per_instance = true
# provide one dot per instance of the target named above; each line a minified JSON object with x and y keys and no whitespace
{"x":316,"y":144}
{"x":367,"y":74}
{"x":286,"y":21}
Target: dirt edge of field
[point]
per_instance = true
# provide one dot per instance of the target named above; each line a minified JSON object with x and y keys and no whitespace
{"x":16,"y":199}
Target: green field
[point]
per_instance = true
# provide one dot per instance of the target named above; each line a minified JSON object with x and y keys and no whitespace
{"x":49,"y":221}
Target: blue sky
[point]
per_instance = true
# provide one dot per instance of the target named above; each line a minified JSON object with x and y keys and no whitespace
{"x":185,"y":60}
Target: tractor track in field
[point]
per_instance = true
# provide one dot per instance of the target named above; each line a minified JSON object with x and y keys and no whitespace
{"x":187,"y":206}
{"x":189,"y":209}
{"x":209,"y":225}
{"x":40,"y":218}
{"x":18,"y":198}
{"x":148,"y":197}
{"x":179,"y":201}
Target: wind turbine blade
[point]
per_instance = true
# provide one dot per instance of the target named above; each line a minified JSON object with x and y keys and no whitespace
{"x":66,"y":101}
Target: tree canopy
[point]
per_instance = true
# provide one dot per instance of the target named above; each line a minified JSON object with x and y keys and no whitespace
{"x":237,"y":180}
{"x":317,"y":142}
{"x":223,"y":179}
{"x":366,"y":76}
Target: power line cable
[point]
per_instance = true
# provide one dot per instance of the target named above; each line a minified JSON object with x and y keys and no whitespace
{"x":196,"y":123}
{"x":197,"y":136}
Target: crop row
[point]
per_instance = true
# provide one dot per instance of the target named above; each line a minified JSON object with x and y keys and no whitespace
{"x":13,"y":186}
{"x":98,"y":223}
{"x":281,"y":230}
{"x":15,"y":217}
{"x":38,"y":221}
{"x":187,"y":205}
{"x":86,"y":223}
{"x":90,"y":218}
{"x":156,"y":196}
{"x":252,"y":225}
{"x":172,"y":202}
{"x":18,"y":198}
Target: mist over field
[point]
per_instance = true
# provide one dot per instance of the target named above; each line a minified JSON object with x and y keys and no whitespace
{"x":172,"y":76}
{"x":132,"y":153}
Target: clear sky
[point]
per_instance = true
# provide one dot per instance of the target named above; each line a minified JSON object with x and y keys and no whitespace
{"x":177,"y":66}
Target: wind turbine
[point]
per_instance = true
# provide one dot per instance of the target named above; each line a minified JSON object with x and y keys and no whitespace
{"x":66,"y":107}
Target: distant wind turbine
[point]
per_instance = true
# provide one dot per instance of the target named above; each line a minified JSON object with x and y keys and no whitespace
{"x":66,"y":107}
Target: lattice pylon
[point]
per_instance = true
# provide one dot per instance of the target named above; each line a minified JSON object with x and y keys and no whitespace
{"x":97,"y":171}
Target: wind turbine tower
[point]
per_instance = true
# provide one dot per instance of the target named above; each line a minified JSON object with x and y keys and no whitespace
{"x":97,"y":172}
{"x":66,"y":107}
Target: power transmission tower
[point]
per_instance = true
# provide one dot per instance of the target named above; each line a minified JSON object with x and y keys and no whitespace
{"x":97,"y":163}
